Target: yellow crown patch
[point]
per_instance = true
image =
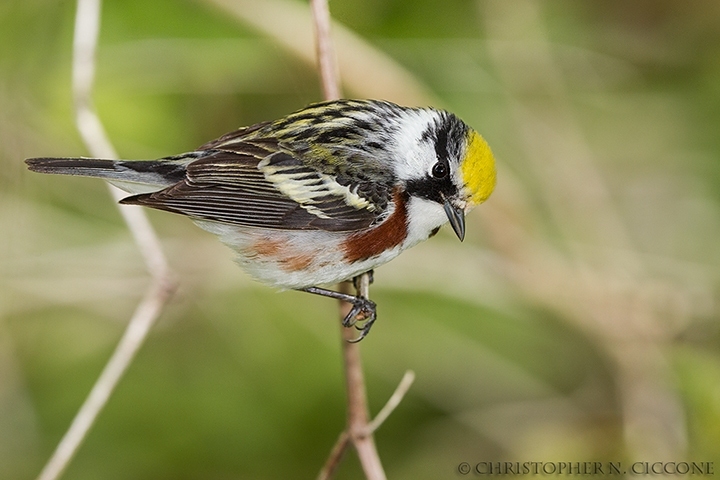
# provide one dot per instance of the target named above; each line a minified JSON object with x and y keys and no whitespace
{"x":478,"y":169}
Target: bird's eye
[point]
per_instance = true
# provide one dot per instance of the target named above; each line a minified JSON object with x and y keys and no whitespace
{"x":440,"y":170}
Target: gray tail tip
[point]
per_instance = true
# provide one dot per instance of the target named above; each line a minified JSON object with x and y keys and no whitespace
{"x":67,"y":165}
{"x":48,"y":164}
{"x":39,"y":164}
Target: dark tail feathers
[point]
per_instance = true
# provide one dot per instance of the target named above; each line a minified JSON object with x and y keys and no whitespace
{"x":160,"y":173}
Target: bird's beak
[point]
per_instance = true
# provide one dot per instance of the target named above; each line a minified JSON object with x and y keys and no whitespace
{"x":456,"y":215}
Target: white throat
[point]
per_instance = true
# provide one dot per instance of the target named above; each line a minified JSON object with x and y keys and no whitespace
{"x":424,"y":216}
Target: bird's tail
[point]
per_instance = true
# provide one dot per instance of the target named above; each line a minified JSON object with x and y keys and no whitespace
{"x":140,"y":176}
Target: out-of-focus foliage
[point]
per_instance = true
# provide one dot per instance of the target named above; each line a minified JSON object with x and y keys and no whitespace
{"x":578,"y":321}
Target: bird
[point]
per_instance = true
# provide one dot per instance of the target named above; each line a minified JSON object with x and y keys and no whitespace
{"x":317,"y":197}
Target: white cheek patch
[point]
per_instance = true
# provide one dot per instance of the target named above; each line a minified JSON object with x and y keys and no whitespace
{"x":415,"y":157}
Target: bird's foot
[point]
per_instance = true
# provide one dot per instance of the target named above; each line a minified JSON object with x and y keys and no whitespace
{"x":363,"y":310}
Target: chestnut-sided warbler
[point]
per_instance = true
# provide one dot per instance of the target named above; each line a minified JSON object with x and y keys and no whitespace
{"x":320,"y":196}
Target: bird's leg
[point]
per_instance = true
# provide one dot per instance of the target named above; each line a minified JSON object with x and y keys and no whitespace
{"x":371,"y":279}
{"x":361,"y":307}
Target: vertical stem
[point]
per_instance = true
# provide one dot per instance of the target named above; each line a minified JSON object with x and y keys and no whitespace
{"x":358,"y":416}
{"x":357,"y":413}
{"x":87,"y":29}
{"x":327,"y":62}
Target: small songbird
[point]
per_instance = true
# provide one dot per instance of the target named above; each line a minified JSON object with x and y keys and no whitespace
{"x":320,"y":196}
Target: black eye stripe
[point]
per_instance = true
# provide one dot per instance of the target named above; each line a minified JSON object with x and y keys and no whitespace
{"x":447,"y":133}
{"x":441,"y":144}
{"x":435,"y":189}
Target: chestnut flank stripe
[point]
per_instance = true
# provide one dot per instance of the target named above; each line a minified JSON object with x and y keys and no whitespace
{"x":390,"y":233}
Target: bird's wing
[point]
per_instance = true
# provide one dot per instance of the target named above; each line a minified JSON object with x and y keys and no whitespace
{"x":255,"y":184}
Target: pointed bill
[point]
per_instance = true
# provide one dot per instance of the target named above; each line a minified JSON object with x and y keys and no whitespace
{"x":456,"y":216}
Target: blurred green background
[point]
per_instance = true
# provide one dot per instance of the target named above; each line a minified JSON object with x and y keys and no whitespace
{"x":577,"y":322}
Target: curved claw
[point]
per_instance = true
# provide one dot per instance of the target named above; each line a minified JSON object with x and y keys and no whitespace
{"x":364,"y":330}
{"x":364,"y":308}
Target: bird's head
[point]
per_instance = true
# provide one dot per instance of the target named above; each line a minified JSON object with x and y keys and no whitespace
{"x":447,"y":167}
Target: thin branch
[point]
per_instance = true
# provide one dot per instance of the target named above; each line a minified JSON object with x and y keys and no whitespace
{"x":343,"y":441}
{"x":357,"y":412}
{"x":392,"y":403}
{"x":366,"y":70}
{"x":87,"y":28}
{"x":143,"y":318}
{"x":358,"y":423}
{"x":358,"y":417}
{"x":336,"y":455}
{"x":327,"y":62}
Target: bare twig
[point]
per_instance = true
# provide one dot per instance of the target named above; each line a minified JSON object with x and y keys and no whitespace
{"x":358,"y":431}
{"x":358,"y":418}
{"x":336,"y":455}
{"x":368,"y":72}
{"x":143,"y":318}
{"x":87,"y":27}
{"x":358,"y":413}
{"x":327,"y":62}
{"x":392,"y":403}
{"x":343,"y":441}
